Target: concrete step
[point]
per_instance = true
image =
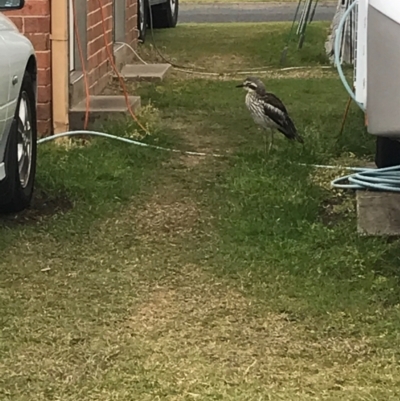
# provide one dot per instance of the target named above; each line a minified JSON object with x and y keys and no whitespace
{"x":76,"y":88}
{"x":378,"y":213}
{"x":102,"y":108}
{"x":145,"y":72}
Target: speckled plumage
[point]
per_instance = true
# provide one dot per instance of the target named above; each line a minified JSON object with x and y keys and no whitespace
{"x":267,"y":110}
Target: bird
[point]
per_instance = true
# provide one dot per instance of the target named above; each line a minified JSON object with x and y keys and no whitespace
{"x":268,"y":111}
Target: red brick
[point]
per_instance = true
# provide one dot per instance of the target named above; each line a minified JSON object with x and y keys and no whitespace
{"x":94,"y":18}
{"x":18,"y":21}
{"x":43,"y":59}
{"x":133,"y":9}
{"x":43,"y":111}
{"x":44,"y":76}
{"x":37,"y":24}
{"x":131,"y":23}
{"x":97,"y":58}
{"x":104,"y":67}
{"x":94,"y":32}
{"x":92,"y":5}
{"x":40,"y":41}
{"x":44,"y":94}
{"x":44,"y":127}
{"x":96,"y":45}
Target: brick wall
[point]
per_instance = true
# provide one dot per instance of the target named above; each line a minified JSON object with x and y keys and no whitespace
{"x":131,"y":35}
{"x":98,"y":64}
{"x":34,"y":21}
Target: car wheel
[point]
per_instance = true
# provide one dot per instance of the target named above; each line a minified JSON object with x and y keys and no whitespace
{"x":142,"y":20}
{"x":21,"y":152}
{"x":165,"y":15}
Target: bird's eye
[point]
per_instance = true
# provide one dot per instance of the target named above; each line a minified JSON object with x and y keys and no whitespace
{"x":253,"y":86}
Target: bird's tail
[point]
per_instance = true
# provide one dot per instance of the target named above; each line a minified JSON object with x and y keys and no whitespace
{"x":299,"y":138}
{"x":290,"y":131}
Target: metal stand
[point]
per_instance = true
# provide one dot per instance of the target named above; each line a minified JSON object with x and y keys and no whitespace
{"x":306,"y":17}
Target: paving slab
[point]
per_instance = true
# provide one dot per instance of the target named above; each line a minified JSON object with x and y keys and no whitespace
{"x":145,"y":72}
{"x":378,"y":213}
{"x":102,"y":108}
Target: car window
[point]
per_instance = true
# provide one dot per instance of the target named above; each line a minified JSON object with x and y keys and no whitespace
{"x":9,"y":3}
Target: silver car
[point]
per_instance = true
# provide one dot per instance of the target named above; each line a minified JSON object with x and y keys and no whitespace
{"x":156,"y":14}
{"x":18,"y":128}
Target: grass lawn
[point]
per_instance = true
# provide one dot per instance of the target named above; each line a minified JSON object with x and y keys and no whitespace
{"x":223,"y":47}
{"x":162,"y":276}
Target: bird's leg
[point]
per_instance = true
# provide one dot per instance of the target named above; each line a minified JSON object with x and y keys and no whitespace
{"x":271,"y":142}
{"x":265,"y":142}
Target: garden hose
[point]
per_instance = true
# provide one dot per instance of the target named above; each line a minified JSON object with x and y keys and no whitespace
{"x":121,"y":139}
{"x":384,"y":179}
{"x":339,"y":68}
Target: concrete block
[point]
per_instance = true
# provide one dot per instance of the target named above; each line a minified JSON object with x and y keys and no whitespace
{"x":76,"y":88}
{"x":122,"y":56}
{"x":145,"y":72}
{"x":102,"y":108}
{"x":378,"y":213}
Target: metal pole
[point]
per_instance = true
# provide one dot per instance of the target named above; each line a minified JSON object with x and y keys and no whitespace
{"x":304,"y":27}
{"x":301,"y":22}
{"x":313,"y":12}
{"x":285,"y":49}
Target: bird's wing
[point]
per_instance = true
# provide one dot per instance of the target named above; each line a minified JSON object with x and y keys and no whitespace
{"x":276,"y":111}
{"x":274,"y":108}
{"x":274,"y":101}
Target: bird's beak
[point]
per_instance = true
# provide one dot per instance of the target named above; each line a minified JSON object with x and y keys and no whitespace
{"x":239,"y":86}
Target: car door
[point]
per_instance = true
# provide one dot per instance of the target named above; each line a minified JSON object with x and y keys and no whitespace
{"x":4,"y":86}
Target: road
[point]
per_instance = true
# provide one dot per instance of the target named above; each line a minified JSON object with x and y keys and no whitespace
{"x":248,"y":12}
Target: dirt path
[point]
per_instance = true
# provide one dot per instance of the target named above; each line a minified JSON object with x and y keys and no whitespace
{"x":134,"y":308}
{"x":197,"y":335}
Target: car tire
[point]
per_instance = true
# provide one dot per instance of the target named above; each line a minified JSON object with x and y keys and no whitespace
{"x":165,"y":15}
{"x":142,"y":19}
{"x":21,"y":151}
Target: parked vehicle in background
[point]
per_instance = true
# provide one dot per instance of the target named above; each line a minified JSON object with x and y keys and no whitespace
{"x":18,"y":128}
{"x":158,"y":14}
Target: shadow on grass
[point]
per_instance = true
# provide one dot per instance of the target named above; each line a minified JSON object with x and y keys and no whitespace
{"x":271,"y":231}
{"x":83,"y":180}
